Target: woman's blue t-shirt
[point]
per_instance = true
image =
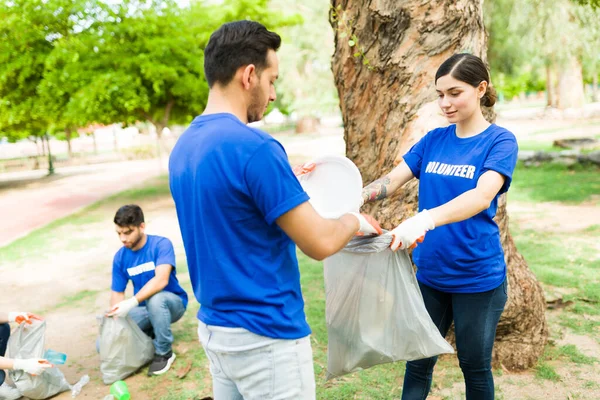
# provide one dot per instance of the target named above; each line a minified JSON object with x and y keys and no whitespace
{"x":466,"y":256}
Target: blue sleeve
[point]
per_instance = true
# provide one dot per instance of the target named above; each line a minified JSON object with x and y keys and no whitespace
{"x":165,"y":254}
{"x":414,"y":157}
{"x":271,"y":182}
{"x":119,"y":278}
{"x":502,"y":158}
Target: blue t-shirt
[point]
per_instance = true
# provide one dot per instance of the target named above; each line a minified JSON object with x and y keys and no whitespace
{"x":230,"y":183}
{"x":466,"y":256}
{"x":139,"y":266}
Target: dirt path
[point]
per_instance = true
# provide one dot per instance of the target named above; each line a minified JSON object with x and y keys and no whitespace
{"x":555,"y":216}
{"x":25,"y":207}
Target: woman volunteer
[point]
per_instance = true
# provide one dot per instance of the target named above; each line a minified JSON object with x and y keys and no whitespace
{"x":462,"y":170}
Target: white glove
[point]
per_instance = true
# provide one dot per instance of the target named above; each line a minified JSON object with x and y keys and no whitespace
{"x":122,"y":308}
{"x":408,"y":233}
{"x":368,"y":225}
{"x":20,"y":317}
{"x":33,"y":366}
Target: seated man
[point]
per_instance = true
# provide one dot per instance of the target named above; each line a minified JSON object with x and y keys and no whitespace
{"x":159,"y":300}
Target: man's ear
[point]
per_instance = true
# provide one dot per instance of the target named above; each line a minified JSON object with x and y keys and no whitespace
{"x":248,"y":74}
{"x":142,"y":226}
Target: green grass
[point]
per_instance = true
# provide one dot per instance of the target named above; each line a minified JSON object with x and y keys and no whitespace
{"x":546,"y":371}
{"x":572,"y":353}
{"x":561,"y":260}
{"x":532,"y":145}
{"x":555,"y":182}
{"x":77,"y":299}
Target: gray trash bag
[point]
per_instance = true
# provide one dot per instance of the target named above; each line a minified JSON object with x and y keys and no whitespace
{"x":124,"y":348}
{"x":374,"y":309}
{"x":27,"y":341}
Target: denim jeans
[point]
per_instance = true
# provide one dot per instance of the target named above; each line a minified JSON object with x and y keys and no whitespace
{"x":4,"y":335}
{"x":248,"y":366}
{"x":156,"y":317}
{"x":475,"y":317}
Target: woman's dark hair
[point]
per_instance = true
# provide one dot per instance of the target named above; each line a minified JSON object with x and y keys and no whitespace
{"x":234,"y":45}
{"x":469,"y":69}
{"x":129,"y":215}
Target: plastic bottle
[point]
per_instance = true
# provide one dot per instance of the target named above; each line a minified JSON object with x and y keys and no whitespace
{"x":76,"y":388}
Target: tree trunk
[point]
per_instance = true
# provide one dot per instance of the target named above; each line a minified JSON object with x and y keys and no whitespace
{"x":68,"y":134}
{"x":387,"y":99}
{"x":549,"y":91}
{"x":595,"y":96}
{"x":95,"y":142}
{"x":570,"y":85}
{"x":115,"y":142}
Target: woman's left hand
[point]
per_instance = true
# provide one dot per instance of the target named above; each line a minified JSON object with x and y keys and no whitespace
{"x":409,"y":232}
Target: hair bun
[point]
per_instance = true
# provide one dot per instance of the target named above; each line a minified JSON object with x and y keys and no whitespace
{"x":490,"y":97}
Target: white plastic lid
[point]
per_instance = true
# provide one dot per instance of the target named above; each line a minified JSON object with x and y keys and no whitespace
{"x":334,"y":186}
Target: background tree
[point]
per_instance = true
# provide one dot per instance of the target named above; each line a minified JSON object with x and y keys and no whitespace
{"x":29,"y":31}
{"x":385,"y":86}
{"x":306,"y":83}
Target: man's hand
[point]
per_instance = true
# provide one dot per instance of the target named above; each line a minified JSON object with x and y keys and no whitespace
{"x":368,"y":225}
{"x":304,"y":169}
{"x":122,"y":309}
{"x":33,"y":366}
{"x":408,"y":233}
{"x":19,"y":317}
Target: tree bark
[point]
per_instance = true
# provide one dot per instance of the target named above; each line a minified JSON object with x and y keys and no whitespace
{"x":388,"y":104}
{"x":549,"y":92}
{"x":570,"y":85}
{"x":595,"y":96}
{"x":68,"y":134}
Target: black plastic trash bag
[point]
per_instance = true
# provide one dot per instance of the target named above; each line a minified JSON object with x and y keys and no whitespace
{"x":27,"y":341}
{"x":124,"y":348}
{"x":374,"y":309}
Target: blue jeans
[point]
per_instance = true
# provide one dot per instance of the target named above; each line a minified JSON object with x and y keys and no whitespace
{"x":247,"y":366}
{"x":156,"y":317}
{"x":4,"y":335}
{"x":475,"y":317}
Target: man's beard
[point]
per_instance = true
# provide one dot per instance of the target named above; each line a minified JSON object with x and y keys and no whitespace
{"x":256,"y":107}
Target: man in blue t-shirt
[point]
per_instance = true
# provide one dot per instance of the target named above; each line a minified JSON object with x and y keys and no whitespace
{"x":240,"y":210}
{"x":158,"y":299}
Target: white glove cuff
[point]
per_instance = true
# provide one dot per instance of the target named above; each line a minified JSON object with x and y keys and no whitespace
{"x":429,"y":222}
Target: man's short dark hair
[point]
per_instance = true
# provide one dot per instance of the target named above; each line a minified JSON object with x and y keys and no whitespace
{"x":234,"y":45}
{"x":129,"y":215}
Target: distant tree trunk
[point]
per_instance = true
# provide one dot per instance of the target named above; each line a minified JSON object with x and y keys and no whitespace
{"x":570,"y":85}
{"x":68,"y":134}
{"x":115,"y":142}
{"x":595,"y":96}
{"x":389,"y":105}
{"x":549,"y":89}
{"x":50,"y":161}
{"x":95,"y":142}
{"x":43,"y":147}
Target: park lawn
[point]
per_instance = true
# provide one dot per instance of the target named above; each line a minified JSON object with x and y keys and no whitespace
{"x":558,"y":262}
{"x":556,"y":182}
